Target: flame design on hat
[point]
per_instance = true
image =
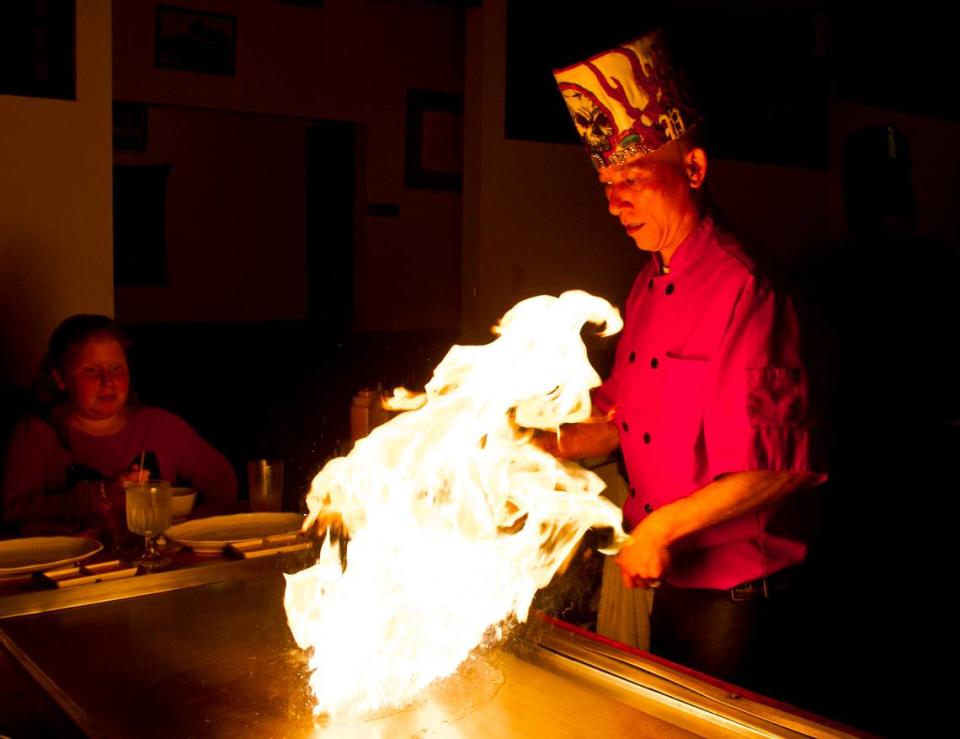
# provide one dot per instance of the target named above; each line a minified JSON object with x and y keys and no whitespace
{"x":628,"y":101}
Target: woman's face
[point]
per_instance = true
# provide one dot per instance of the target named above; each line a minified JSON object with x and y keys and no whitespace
{"x":96,"y":378}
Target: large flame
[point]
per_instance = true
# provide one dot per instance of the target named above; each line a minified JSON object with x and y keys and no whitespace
{"x":455,"y":517}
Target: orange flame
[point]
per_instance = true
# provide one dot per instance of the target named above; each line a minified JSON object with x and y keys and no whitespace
{"x":455,"y":518}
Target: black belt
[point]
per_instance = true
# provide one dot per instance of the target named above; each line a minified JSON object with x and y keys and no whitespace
{"x":765,"y":587}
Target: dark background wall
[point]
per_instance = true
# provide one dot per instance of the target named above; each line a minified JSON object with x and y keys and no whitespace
{"x":235,"y":225}
{"x":811,"y":73}
{"x":344,"y":61}
{"x":55,"y":205}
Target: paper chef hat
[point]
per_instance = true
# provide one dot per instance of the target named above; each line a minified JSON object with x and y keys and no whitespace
{"x":628,"y":101}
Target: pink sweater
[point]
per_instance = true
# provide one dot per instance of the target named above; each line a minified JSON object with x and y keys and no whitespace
{"x":34,"y":479}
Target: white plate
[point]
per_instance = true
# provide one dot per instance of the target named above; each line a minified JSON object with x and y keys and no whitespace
{"x":36,"y":553}
{"x":214,"y":533}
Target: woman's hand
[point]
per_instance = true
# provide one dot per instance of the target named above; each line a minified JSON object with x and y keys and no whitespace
{"x":93,"y":502}
{"x":132,"y":474}
{"x":101,"y":510}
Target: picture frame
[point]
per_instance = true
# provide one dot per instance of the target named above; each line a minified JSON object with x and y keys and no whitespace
{"x":195,"y":40}
{"x":434,"y":140}
{"x":38,"y":49}
{"x":130,"y":125}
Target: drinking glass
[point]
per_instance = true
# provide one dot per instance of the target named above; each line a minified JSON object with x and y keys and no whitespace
{"x":265,"y":481}
{"x":149,"y":514}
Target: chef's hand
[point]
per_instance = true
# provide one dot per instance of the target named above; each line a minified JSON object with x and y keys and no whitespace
{"x":328,"y":522}
{"x":548,"y":441}
{"x":594,"y":438}
{"x":329,"y":529}
{"x":645,"y":559}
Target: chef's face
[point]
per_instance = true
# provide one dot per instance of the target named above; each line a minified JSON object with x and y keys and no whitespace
{"x":96,"y":378}
{"x":654,"y":196}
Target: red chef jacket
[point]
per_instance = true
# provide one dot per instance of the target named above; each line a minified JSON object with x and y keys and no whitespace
{"x":707,"y":381}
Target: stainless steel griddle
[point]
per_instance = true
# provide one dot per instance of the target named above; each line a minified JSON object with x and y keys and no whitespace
{"x":206,"y":652}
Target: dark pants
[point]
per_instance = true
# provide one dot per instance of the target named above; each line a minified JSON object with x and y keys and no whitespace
{"x":755,"y":636}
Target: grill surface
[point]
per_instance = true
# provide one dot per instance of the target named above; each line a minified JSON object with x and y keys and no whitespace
{"x":215,"y":658}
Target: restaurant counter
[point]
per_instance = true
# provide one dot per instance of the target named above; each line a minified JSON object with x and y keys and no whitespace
{"x":206,"y":652}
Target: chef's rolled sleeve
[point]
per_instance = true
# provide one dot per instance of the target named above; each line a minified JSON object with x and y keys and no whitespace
{"x":756,"y":415}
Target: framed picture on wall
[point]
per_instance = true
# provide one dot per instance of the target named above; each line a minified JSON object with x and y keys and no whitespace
{"x":196,"y":41}
{"x":434,"y":141}
{"x":38,"y":48}
{"x":129,"y":125}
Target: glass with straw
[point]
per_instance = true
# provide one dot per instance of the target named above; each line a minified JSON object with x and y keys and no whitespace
{"x":149,"y":514}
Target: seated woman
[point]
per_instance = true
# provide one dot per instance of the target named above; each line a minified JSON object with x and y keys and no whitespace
{"x":89,"y":427}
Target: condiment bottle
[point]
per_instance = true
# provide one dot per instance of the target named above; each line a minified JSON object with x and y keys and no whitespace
{"x":360,"y":414}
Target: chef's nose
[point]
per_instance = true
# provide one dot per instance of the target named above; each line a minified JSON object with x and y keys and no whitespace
{"x":616,"y":199}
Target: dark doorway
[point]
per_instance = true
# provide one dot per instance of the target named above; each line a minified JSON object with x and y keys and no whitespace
{"x":332,"y":166}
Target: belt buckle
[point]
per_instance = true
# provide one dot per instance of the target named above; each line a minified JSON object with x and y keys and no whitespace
{"x":750,"y":590}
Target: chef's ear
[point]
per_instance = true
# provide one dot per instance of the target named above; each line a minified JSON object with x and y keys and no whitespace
{"x":695,"y":165}
{"x":58,"y":380}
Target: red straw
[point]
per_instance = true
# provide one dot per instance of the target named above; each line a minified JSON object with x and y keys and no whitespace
{"x":140,"y":469}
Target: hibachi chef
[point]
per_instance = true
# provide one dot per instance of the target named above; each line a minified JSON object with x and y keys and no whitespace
{"x":707,"y":397}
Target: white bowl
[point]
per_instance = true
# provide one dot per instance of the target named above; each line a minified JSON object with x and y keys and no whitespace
{"x":183,"y":500}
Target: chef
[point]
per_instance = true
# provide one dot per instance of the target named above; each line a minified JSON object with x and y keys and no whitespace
{"x":707,"y":397}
